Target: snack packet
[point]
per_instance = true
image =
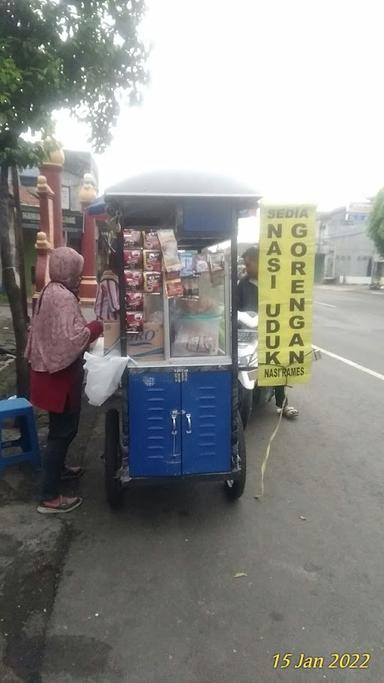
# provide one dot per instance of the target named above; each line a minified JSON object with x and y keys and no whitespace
{"x":135,"y":322}
{"x":174,"y":287}
{"x":132,"y":238}
{"x":152,"y":261}
{"x":134,"y":280}
{"x":151,"y":240}
{"x":133,"y":258}
{"x":134,"y":301}
{"x":153,"y":283}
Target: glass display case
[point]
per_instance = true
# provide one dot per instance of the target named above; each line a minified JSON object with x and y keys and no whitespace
{"x":180,"y":315}
{"x":198,"y":320}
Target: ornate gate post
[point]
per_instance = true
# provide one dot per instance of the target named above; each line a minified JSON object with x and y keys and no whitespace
{"x":88,"y":285}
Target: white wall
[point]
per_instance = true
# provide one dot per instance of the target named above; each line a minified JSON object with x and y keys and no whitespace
{"x":356,"y":280}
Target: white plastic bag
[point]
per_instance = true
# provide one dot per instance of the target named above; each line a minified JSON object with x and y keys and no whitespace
{"x":103,"y":376}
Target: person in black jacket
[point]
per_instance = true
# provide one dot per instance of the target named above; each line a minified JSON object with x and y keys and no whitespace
{"x":248,"y":300}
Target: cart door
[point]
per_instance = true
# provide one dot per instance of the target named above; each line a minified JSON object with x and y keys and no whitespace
{"x":154,"y":424}
{"x":206,"y":434}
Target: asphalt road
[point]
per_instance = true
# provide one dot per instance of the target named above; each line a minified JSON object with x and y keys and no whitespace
{"x":150,"y":594}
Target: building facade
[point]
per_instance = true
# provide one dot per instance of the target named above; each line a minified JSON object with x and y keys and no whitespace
{"x":345,"y":252}
{"x":75,"y":166}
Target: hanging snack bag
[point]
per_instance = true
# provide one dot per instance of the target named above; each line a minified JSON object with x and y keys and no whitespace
{"x":132,"y":238}
{"x":169,"y":249}
{"x":134,"y":280}
{"x":216,"y":268}
{"x":151,"y":240}
{"x":174,"y":285}
{"x":133,"y":258}
{"x":200,"y":263}
{"x":135,"y":322}
{"x":174,"y":289}
{"x":134,"y":301}
{"x":187,"y":264}
{"x":152,"y":261}
{"x":153,"y":283}
{"x":191,"y":287}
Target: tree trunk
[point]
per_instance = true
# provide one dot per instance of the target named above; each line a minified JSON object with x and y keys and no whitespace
{"x":19,"y":241}
{"x":11,"y":286}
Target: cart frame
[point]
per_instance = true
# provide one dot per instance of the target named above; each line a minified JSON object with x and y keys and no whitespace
{"x":139,"y":208}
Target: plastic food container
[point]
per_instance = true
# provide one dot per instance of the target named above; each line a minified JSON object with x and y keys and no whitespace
{"x":196,"y":335}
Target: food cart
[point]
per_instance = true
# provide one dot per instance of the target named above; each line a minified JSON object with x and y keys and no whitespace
{"x":176,"y":242}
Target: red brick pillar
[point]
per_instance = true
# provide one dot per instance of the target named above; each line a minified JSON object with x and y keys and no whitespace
{"x":46,"y":197}
{"x":88,"y":285}
{"x":52,"y":169}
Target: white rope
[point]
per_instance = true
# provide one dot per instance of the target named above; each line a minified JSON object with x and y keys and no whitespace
{"x":260,"y":491}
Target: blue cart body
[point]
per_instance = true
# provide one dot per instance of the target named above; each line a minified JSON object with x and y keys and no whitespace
{"x":179,"y":422}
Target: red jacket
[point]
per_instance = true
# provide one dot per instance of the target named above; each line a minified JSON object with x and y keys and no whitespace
{"x":61,"y":391}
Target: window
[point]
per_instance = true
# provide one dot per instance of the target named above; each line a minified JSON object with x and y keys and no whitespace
{"x":65,"y":197}
{"x":73,"y":240}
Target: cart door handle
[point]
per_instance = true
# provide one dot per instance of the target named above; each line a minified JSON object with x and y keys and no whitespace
{"x":189,"y":423}
{"x":174,"y":415}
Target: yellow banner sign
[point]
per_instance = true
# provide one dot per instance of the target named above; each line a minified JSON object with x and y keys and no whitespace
{"x":286,"y":273}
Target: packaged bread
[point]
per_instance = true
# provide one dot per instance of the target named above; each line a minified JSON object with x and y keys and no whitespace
{"x":169,"y":250}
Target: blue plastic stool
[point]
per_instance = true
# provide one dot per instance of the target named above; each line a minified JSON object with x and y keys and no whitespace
{"x":20,"y":410}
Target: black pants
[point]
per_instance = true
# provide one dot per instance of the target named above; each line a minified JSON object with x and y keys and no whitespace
{"x":62,"y":430}
{"x":280,"y":396}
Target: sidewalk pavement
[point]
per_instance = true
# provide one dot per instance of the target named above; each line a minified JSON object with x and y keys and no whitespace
{"x":33,"y":549}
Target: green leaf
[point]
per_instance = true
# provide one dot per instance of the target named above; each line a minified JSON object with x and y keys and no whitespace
{"x":80,"y":55}
{"x":376,"y":222}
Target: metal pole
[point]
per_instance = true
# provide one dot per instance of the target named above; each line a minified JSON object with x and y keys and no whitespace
{"x":19,"y":240}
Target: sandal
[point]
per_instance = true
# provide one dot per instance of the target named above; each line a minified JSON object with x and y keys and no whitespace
{"x":47,"y":507}
{"x":289,"y":412}
{"x":69,"y":473}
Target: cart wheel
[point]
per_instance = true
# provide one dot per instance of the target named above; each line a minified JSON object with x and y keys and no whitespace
{"x":245,"y":404}
{"x":235,"y":487}
{"x":112,"y":459}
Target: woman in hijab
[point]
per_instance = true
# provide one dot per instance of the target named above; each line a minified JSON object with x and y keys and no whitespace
{"x":59,"y":335}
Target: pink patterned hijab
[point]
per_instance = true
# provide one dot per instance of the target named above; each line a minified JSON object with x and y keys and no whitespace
{"x":59,"y":332}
